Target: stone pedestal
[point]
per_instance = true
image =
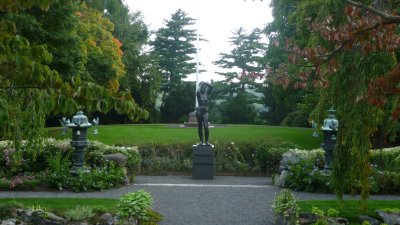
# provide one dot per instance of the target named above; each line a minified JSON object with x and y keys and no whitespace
{"x":192,"y":120}
{"x":203,"y":162}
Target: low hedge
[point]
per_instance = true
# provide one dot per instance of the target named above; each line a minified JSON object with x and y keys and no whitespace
{"x":232,"y":158}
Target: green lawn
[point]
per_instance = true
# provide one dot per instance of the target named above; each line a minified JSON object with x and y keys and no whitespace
{"x":172,"y":134}
{"x":350,"y":208}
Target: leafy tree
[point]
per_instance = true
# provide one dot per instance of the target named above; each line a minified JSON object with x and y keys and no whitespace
{"x":351,"y":61}
{"x":30,"y":88}
{"x":142,"y":77}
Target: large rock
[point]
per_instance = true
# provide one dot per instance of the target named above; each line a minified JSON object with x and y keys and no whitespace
{"x":12,"y":221}
{"x":389,"y":217}
{"x":287,"y":159}
{"x":307,"y":218}
{"x":45,"y":218}
{"x":371,"y":220}
{"x":107,"y":219}
{"x":279,"y":180}
{"x":118,"y":158}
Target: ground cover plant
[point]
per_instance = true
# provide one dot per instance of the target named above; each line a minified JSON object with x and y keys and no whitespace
{"x":88,"y":209}
{"x":350,"y":209}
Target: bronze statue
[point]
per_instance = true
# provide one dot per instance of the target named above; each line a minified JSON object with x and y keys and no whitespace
{"x":203,"y":91}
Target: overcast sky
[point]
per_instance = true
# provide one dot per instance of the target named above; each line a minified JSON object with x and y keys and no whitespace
{"x":217,"y":19}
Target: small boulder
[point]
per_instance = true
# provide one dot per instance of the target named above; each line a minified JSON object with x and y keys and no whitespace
{"x":279,"y":180}
{"x":371,"y":220}
{"x":287,"y":159}
{"x":107,"y":219}
{"x":118,"y":158}
{"x":307,"y":218}
{"x":12,"y":221}
{"x":45,"y":218}
{"x":389,"y":217}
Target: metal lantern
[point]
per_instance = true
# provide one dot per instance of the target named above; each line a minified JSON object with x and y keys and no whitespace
{"x":79,"y":126}
{"x":329,"y":129}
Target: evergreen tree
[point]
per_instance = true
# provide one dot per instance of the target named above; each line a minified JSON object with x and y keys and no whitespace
{"x":174,"y":48}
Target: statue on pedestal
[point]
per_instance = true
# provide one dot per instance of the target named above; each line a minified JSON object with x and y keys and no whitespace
{"x":202,"y":94}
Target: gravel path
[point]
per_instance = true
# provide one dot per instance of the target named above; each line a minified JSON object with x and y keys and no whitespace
{"x":183,"y":201}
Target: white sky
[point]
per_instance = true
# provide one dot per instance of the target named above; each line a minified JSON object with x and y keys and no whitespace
{"x":217,"y":19}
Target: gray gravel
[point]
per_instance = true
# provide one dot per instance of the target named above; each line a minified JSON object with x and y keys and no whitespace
{"x":181,"y":200}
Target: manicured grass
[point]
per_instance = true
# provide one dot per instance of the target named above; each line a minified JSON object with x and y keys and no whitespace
{"x":350,"y":209}
{"x":172,"y":134}
{"x":62,"y":204}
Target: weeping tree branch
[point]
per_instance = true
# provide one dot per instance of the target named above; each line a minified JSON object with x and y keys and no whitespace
{"x":389,"y":17}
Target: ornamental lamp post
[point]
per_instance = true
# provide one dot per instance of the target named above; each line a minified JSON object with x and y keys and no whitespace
{"x":79,"y":126}
{"x":329,"y":129}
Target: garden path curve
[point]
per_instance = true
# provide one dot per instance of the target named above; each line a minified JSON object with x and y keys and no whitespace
{"x":183,"y":201}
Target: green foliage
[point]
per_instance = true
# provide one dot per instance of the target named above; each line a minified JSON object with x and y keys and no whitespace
{"x":305,"y":173}
{"x":269,"y":155}
{"x":178,"y":103}
{"x":154,"y":218}
{"x":238,"y":109}
{"x":304,"y":176}
{"x":79,"y":213}
{"x":97,"y":179}
{"x":96,"y":151}
{"x":57,"y":172}
{"x":387,"y":159}
{"x":285,"y":207}
{"x":6,"y":209}
{"x":243,"y":62}
{"x":384,"y":182}
{"x":324,"y":217}
{"x":46,"y":58}
{"x":296,"y":119}
{"x":231,"y":157}
{"x":348,"y":209}
{"x":173,"y":47}
{"x":135,"y":205}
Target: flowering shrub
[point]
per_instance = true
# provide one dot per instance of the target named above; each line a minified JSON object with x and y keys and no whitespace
{"x":52,"y":164}
{"x":387,"y":159}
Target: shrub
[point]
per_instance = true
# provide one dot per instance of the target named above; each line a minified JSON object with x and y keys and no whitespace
{"x":285,"y":208}
{"x":134,"y":205}
{"x":79,"y":213}
{"x":96,"y":151}
{"x":387,"y":159}
{"x":295,"y":119}
{"x":229,"y":158}
{"x":154,"y":218}
{"x":23,"y":183}
{"x":304,"y":176}
{"x":385,"y":182}
{"x":269,"y":155}
{"x":7,"y":209}
{"x":96,"y":179}
{"x":57,"y":172}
